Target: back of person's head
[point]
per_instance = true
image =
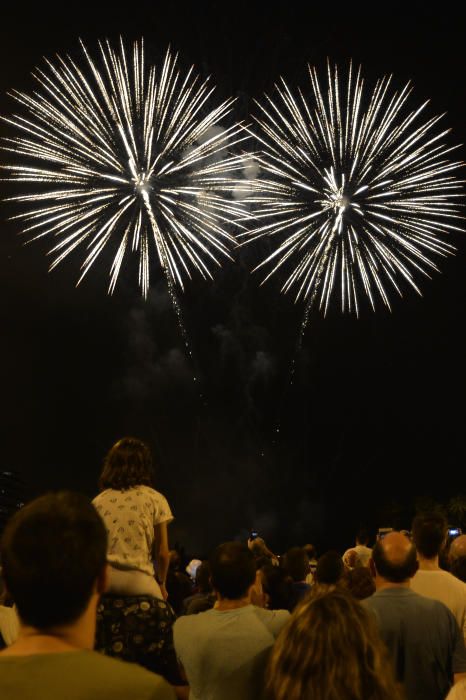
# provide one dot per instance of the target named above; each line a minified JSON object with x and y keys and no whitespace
{"x":457,"y":547}
{"x":127,"y":464}
{"x":351,"y":559}
{"x":203,"y":577}
{"x":360,"y":583}
{"x":458,"y":567}
{"x":362,"y":537}
{"x":262,"y":561}
{"x":174,"y":560}
{"x":296,"y":563}
{"x":232,"y":570}
{"x":429,"y":531}
{"x":394,"y":558}
{"x":53,"y":553}
{"x":330,"y":568}
{"x":310,"y":550}
{"x":278,"y":588}
{"x":330,"y":650}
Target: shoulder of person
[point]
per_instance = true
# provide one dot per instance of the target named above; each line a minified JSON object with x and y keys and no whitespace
{"x":273,"y":618}
{"x":186,"y":629}
{"x":149,"y":491}
{"x":140,"y":682}
{"x":106,"y":493}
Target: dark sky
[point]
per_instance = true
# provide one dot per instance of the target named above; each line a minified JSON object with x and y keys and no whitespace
{"x":376,"y":414}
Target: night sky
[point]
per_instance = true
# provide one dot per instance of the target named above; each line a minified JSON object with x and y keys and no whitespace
{"x":375,"y":417}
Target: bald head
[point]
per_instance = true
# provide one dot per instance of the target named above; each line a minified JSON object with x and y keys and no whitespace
{"x":394,"y":558}
{"x":458,"y":547}
{"x":396,"y":547}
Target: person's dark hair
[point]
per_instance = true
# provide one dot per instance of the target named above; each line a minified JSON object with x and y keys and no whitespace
{"x":296,"y":563}
{"x":203,"y":577}
{"x":310,"y":550}
{"x":394,"y":572}
{"x":232,"y":570}
{"x":262,"y":561}
{"x":458,"y":567}
{"x":429,"y":531}
{"x":362,"y":537}
{"x":360,"y":583}
{"x":53,"y":551}
{"x":127,"y":464}
{"x":330,"y":568}
{"x":278,"y":587}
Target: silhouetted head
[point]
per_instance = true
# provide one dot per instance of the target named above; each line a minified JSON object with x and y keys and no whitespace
{"x":429,"y":532}
{"x":54,"y":554}
{"x":394,"y":558}
{"x":232,"y":570}
{"x":330,"y":649}
{"x":127,"y":464}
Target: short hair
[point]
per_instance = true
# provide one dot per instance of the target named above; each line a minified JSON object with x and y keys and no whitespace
{"x":232,"y":570}
{"x":330,"y":568}
{"x":203,"y":577}
{"x":330,"y":648}
{"x":127,"y":464}
{"x":296,"y":563}
{"x":428,"y":531}
{"x":310,"y":551}
{"x":278,"y":587}
{"x":394,"y":572}
{"x":362,"y":537}
{"x":53,"y":551}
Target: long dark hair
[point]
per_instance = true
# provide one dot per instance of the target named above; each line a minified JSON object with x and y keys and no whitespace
{"x":330,"y":650}
{"x":128,"y":463}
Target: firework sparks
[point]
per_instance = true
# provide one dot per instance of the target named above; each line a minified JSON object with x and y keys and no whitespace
{"x":359,"y":194}
{"x":127,"y":158}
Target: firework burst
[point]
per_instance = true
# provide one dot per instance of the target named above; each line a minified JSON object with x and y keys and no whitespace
{"x":126,"y":157}
{"x":356,"y":189}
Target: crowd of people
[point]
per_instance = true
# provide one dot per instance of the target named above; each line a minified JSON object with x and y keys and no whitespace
{"x":95,"y":605}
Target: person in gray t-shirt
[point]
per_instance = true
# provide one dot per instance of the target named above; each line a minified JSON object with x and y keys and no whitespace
{"x":422,"y":636}
{"x":224,"y":651}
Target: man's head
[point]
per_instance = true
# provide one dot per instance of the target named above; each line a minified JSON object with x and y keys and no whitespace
{"x":232,"y":570}
{"x":394,"y":559}
{"x":54,"y":553}
{"x":362,"y":537}
{"x":310,"y":551}
{"x":429,"y":532}
{"x":203,"y":577}
{"x":458,"y":547}
{"x":330,"y":568}
{"x":457,"y":557}
{"x":297,"y":563}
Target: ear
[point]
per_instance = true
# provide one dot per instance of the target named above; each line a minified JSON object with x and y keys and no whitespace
{"x":372,"y":568}
{"x":102,"y":580}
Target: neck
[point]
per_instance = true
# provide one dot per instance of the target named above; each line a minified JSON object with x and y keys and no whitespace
{"x":73,"y":637}
{"x":382,"y":584}
{"x":428,"y":564}
{"x":227,"y":604}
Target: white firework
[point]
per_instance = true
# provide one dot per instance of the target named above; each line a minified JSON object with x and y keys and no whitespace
{"x":357,"y":191}
{"x":127,"y":158}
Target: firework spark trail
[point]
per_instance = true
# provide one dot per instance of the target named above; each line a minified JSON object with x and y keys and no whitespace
{"x":121,"y":157}
{"x":358,"y":193}
{"x":310,"y":302}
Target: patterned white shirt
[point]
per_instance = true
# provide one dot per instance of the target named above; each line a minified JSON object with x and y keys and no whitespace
{"x":130,"y":517}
